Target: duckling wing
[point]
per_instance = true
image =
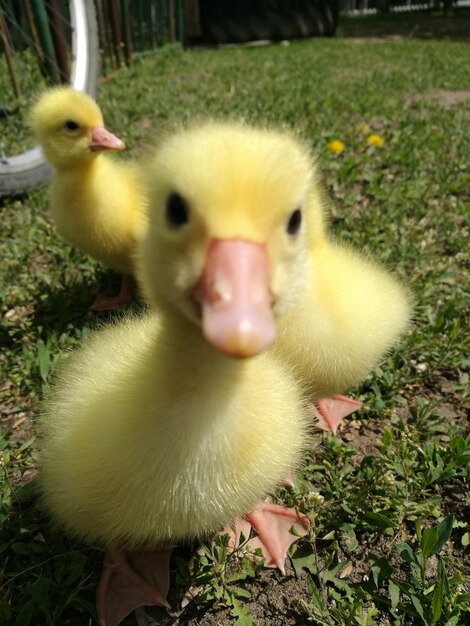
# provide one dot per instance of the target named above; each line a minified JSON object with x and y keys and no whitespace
{"x":129,"y":581}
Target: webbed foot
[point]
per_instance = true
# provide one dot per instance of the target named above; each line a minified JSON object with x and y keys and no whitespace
{"x":129,"y":581}
{"x":330,"y":411}
{"x":273,"y":524}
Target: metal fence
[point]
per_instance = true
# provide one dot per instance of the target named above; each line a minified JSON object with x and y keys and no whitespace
{"x":127,"y":27}
{"x":393,"y":6}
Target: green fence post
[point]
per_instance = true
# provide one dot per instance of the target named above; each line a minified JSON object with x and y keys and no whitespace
{"x":45,"y":39}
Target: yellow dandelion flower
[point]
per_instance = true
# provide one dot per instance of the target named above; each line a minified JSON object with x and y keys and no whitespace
{"x":375,"y":140}
{"x":336,"y":146}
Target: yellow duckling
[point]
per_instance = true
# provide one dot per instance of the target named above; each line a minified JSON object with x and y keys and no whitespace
{"x":352,"y":312}
{"x":155,"y":432}
{"x":97,"y":204}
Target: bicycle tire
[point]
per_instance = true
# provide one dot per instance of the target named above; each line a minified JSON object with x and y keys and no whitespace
{"x":24,"y":172}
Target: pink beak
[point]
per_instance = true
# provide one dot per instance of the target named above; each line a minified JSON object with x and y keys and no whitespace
{"x":235,"y":298}
{"x":102,"y":139}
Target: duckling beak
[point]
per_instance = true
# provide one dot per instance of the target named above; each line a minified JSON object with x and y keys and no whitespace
{"x":102,"y":139}
{"x":235,"y":297}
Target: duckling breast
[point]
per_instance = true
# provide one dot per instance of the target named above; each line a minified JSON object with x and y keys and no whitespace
{"x":163,"y":461}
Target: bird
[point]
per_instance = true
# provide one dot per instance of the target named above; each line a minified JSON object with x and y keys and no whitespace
{"x":172,"y":425}
{"x":350,"y":315}
{"x":97,"y":203}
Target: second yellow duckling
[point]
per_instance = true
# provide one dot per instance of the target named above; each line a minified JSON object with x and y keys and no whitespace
{"x":97,"y":204}
{"x":350,"y":315}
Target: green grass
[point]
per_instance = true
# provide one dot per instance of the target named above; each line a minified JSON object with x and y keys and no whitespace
{"x":14,"y":131}
{"x":388,"y":498}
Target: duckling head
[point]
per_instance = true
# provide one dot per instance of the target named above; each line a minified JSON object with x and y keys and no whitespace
{"x":69,"y":126}
{"x":227,"y":239}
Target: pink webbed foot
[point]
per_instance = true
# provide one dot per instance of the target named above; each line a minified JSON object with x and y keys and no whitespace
{"x":330,"y":411}
{"x":108,"y":303}
{"x":273,"y":523}
{"x":129,"y":581}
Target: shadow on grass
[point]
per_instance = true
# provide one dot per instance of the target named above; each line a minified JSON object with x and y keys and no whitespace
{"x":419,"y":25}
{"x":63,"y":306}
{"x":46,"y":577}
{"x":68,"y":305}
{"x":60,"y":309}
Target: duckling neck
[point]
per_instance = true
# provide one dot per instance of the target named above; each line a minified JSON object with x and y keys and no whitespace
{"x":81,"y":166}
{"x":186,"y":346}
{"x":77,"y":178}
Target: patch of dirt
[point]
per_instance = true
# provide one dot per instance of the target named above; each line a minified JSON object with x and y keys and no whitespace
{"x":353,"y":75}
{"x":364,"y":438}
{"x":276,"y":601}
{"x":444,"y":97}
{"x":15,"y":419}
{"x":383,"y":39}
{"x":443,"y":395}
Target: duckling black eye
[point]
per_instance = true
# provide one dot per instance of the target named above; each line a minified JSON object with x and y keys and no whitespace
{"x":71,"y":125}
{"x":177,"y":211}
{"x":294,"y":222}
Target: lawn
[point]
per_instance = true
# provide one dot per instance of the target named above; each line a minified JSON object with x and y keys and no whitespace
{"x":388,"y":497}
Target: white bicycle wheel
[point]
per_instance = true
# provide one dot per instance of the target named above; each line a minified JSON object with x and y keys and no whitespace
{"x":26,"y":69}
